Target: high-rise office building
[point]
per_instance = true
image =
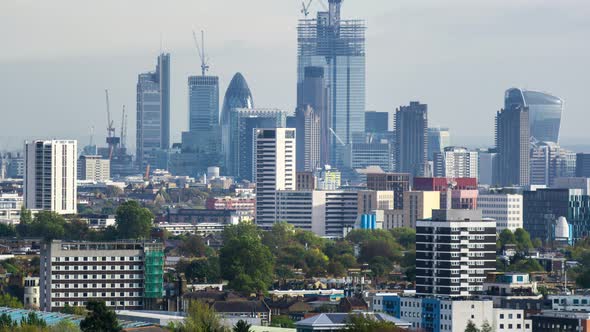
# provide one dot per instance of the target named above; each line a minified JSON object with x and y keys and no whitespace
{"x":544,"y":112}
{"x":275,"y":156}
{"x":243,"y":122}
{"x":506,"y":209}
{"x":583,"y":165}
{"x":438,"y":140}
{"x":487,"y":173}
{"x":549,"y":161}
{"x":153,"y":114}
{"x":124,"y":274}
{"x":203,"y":102}
{"x":396,"y":182}
{"x":411,"y":132}
{"x":308,"y":124}
{"x":455,"y":250}
{"x":373,"y":152}
{"x":50,"y":176}
{"x":338,"y":46}
{"x":376,"y":122}
{"x":456,"y":162}
{"x":313,"y":92}
{"x":94,"y":168}
{"x":543,"y":207}
{"x":513,"y":145}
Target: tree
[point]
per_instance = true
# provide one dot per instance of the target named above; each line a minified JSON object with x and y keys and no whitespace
{"x":6,"y":300}
{"x":204,"y":270}
{"x":523,"y":240}
{"x":526,"y":265}
{"x":193,"y":246}
{"x":200,"y":318}
{"x":282,"y":321}
{"x":362,"y":323}
{"x":6,"y":322}
{"x":242,"y":326}
{"x":64,"y":326}
{"x":73,"y":310}
{"x":7,"y":230}
{"x":471,"y":327}
{"x":99,"y":318}
{"x":32,"y":319}
{"x":244,"y":261}
{"x":486,"y":327}
{"x":405,"y":236}
{"x":506,"y":237}
{"x":133,"y":221}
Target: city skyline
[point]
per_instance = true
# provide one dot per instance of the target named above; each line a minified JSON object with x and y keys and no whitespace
{"x":422,"y":76}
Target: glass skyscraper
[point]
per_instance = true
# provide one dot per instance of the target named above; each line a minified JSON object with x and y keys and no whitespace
{"x":438,"y":140}
{"x":153,"y":114}
{"x":411,"y":133}
{"x":339,"y":47}
{"x":544,"y":112}
{"x":203,"y":102}
{"x":237,"y":96}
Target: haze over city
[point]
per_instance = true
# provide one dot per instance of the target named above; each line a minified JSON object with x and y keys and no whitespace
{"x":457,"y":56}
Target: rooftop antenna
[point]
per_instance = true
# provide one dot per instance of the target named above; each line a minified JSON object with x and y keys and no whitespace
{"x":201,"y":50}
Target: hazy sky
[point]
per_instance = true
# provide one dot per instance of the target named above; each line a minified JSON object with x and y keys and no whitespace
{"x":458,"y":56}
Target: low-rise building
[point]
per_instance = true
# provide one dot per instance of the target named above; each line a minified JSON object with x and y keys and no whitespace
{"x":338,"y":321}
{"x":10,"y":207}
{"x":31,"y":298}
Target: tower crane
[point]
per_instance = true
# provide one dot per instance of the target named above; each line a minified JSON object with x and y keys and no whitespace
{"x":201,"y":50}
{"x":112,"y":141}
{"x":305,"y":8}
{"x":123,"y":117}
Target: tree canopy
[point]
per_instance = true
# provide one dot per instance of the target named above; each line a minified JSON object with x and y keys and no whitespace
{"x":133,"y":221}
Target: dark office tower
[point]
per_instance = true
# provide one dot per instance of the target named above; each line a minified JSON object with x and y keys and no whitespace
{"x":308,"y":139}
{"x":396,"y":182}
{"x":583,"y":165}
{"x":544,"y":112}
{"x":312,"y":92}
{"x":376,"y":122}
{"x":203,"y":102}
{"x":338,"y":46}
{"x":238,"y":95}
{"x":513,"y":146}
{"x":153,"y":114}
{"x":411,"y":132}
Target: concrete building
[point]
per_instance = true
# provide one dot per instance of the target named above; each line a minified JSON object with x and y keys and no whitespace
{"x":373,"y":152}
{"x":50,"y":176}
{"x":488,"y":167}
{"x":125,"y":275}
{"x":506,"y":209}
{"x":512,"y":144}
{"x":94,"y":168}
{"x":31,"y":297}
{"x":371,"y":200}
{"x":411,"y":132}
{"x":418,"y":205}
{"x":330,"y":213}
{"x":376,"y":122}
{"x":153,"y":114}
{"x":10,"y":207}
{"x":455,"y":250}
{"x":456,"y":162}
{"x":583,"y":165}
{"x":306,"y":181}
{"x":562,"y":321}
{"x":396,"y":182}
{"x":308,"y":139}
{"x":275,"y":157}
{"x":455,"y":193}
{"x":549,"y":161}
{"x":329,"y":179}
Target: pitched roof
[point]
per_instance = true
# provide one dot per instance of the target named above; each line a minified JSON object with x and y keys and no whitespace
{"x":341,"y":319}
{"x":240,"y":306}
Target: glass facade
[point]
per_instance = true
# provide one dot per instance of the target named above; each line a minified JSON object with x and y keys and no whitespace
{"x":237,"y":96}
{"x":339,"y":47}
{"x":544,"y":112}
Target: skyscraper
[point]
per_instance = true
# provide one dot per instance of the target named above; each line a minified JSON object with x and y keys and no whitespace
{"x":312,"y":92}
{"x":153,"y":113}
{"x":549,"y":161}
{"x":438,"y":140}
{"x":512,"y":144}
{"x":203,"y":103}
{"x":376,"y":122}
{"x":243,"y":122}
{"x":308,"y":139}
{"x":237,"y":95}
{"x":544,"y":112}
{"x":411,"y":126}
{"x":50,"y":175}
{"x":275,"y":158}
{"x":338,"y":46}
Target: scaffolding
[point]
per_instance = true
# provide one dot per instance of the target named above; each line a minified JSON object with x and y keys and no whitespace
{"x":153,"y":272}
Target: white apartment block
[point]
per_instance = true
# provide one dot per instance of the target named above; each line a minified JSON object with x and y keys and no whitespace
{"x":31,"y":297}
{"x":456,"y":162}
{"x":274,"y":164}
{"x":10,"y":206}
{"x":50,"y":175}
{"x":506,"y":209}
{"x":94,"y":168}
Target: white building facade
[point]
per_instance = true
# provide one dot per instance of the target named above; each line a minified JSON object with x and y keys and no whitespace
{"x":50,"y":175}
{"x":506,"y":209}
{"x":456,"y":162}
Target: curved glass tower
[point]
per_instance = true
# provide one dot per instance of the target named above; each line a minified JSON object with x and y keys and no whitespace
{"x":238,"y":95}
{"x":544,"y":112}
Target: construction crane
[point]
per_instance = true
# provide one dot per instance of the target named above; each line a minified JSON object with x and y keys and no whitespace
{"x":337,"y":137}
{"x":123,"y":122}
{"x":112,"y":141}
{"x":305,"y":8}
{"x":201,"y":50}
